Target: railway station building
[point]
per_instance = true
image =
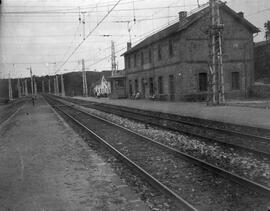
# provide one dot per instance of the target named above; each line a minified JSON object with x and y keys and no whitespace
{"x":172,"y":64}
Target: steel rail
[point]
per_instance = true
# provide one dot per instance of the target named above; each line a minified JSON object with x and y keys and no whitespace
{"x":149,"y":178}
{"x":264,"y":153}
{"x":210,"y":167}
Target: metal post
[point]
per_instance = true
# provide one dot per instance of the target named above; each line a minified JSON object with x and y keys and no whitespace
{"x":220,"y":60}
{"x":62,"y":86}
{"x":213,"y":63}
{"x":84,"y":80}
{"x":56,"y":84}
{"x":35,"y":86}
{"x":49,"y":86}
{"x":23,"y":88}
{"x":26,"y":87}
{"x":43,"y":87}
{"x":19,"y":88}
{"x":10,"y":93}
{"x":32,"y":85}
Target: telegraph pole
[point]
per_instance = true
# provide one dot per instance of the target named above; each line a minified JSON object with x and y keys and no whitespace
{"x":26,"y":87}
{"x":10,"y":93}
{"x":62,"y":86}
{"x":56,"y":85}
{"x":35,"y":86}
{"x":43,"y":87}
{"x":49,"y":84}
{"x":32,"y":85}
{"x":216,"y":75}
{"x":113,"y":58}
{"x":19,"y":88}
{"x":84,"y":80}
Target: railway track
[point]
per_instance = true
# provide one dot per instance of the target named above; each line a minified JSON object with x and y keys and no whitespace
{"x":185,"y":178}
{"x":247,"y":138}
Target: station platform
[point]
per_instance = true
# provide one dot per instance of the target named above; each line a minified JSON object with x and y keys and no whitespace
{"x":232,"y":113}
{"x":45,"y":165}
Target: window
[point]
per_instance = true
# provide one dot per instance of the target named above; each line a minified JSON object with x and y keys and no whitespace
{"x":202,"y":82}
{"x":171,"y":48}
{"x":150,"y":55}
{"x":159,"y":53}
{"x":142,"y":59}
{"x":135,"y":60}
{"x":235,"y":81}
{"x":160,"y":85}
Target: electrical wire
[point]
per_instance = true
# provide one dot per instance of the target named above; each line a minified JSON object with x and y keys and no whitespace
{"x":88,"y":35}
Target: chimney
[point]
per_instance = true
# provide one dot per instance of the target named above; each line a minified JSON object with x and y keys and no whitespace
{"x":182,"y":17}
{"x":128,"y":45}
{"x":241,"y":14}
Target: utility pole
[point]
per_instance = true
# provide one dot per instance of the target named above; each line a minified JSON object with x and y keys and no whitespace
{"x":10,"y":93}
{"x":49,"y":84}
{"x":54,"y":86}
{"x":113,"y":58}
{"x":23,"y":88}
{"x":216,"y":75}
{"x":43,"y":87}
{"x":35,"y":86}
{"x":84,"y":80}
{"x":57,"y":85}
{"x":19,"y":88}
{"x":26,"y":87}
{"x":32,"y":85}
{"x":62,"y":86}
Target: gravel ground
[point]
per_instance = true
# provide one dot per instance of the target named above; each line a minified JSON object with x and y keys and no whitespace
{"x":201,"y":188}
{"x":155,"y":200}
{"x":245,"y":164}
{"x":44,"y":165}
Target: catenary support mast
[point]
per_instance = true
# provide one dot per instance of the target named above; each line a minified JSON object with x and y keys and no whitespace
{"x":216,"y":74}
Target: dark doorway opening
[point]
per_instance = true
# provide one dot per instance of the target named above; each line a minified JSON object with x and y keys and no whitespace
{"x":203,"y":82}
{"x":151,"y":86}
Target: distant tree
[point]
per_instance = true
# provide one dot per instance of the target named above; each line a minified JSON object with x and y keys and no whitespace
{"x":267,"y":30}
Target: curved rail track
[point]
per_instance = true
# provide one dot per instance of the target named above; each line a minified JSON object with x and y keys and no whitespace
{"x":247,"y":138}
{"x":166,"y":168}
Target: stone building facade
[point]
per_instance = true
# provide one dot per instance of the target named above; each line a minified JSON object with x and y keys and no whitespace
{"x":173,"y":63}
{"x":262,"y":61}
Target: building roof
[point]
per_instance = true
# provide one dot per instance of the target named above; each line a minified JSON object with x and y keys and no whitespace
{"x":177,"y":27}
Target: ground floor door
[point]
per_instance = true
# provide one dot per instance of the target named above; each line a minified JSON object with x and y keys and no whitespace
{"x":151,"y":86}
{"x":130,"y":88}
{"x":202,"y":81}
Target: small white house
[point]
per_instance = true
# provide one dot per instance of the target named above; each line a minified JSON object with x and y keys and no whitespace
{"x":103,"y":87}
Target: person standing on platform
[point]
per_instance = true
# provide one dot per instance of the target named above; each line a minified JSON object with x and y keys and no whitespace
{"x":33,"y":100}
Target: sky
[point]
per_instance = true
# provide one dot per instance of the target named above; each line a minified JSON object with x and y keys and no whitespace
{"x":47,"y":35}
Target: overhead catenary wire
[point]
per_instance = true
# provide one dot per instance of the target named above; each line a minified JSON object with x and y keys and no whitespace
{"x":88,"y":35}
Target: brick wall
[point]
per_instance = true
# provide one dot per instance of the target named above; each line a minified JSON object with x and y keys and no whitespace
{"x":190,"y":58}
